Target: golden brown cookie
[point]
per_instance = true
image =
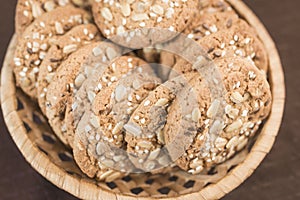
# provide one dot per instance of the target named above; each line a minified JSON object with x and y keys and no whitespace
{"x":213,"y":16}
{"x":36,"y":41}
{"x":67,"y":82}
{"x":130,"y":20}
{"x":238,"y":41}
{"x":73,"y":40}
{"x":246,"y":103}
{"x":29,"y":10}
{"x":105,"y":76}
{"x":144,"y":130}
{"x":100,"y":131}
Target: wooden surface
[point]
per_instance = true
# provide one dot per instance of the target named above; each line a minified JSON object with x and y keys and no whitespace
{"x":277,"y":178}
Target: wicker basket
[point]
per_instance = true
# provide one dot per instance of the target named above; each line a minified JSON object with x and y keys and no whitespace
{"x":54,"y":161}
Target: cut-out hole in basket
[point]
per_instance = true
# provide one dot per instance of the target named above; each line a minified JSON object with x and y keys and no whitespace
{"x":74,"y":173}
{"x":20,"y":105}
{"x":37,"y":119}
{"x":164,"y":190}
{"x":231,"y":168}
{"x":137,"y":190}
{"x":42,"y":150}
{"x":64,"y":157}
{"x":111,"y":185}
{"x":207,"y":184}
{"x":173,"y":178}
{"x":27,"y":127}
{"x":212,"y":171}
{"x":71,"y":173}
{"x":49,"y":139}
{"x":127,"y":179}
{"x":149,"y":181}
{"x":189,"y":184}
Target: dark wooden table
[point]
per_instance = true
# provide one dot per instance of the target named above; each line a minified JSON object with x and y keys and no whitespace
{"x":277,"y":178}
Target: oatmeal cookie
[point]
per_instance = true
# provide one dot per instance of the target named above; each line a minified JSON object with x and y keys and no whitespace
{"x":99,"y":133}
{"x":36,"y":41}
{"x":247,"y":102}
{"x":68,"y":80}
{"x":76,"y":38}
{"x":128,"y":22}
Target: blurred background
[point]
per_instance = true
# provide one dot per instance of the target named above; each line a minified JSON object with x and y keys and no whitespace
{"x":277,"y":178}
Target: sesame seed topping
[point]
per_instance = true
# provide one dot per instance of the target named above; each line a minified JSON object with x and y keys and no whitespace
{"x":147,"y":103}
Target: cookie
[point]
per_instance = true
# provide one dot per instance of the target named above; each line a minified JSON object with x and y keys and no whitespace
{"x":104,"y":77}
{"x":128,"y":23}
{"x":144,"y":136}
{"x":210,"y":23}
{"x":217,"y":16}
{"x":73,"y":40}
{"x":213,"y":15}
{"x":37,"y":39}
{"x":66,"y":82}
{"x":246,"y":103}
{"x":29,"y":10}
{"x":238,"y":41}
{"x":99,"y":132}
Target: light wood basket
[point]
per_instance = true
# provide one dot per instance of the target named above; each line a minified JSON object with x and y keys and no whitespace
{"x":54,"y":161}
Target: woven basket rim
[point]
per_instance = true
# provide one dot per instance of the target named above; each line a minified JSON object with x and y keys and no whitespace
{"x":83,"y":189}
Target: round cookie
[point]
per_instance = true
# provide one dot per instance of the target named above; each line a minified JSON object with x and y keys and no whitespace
{"x":29,"y":10}
{"x":66,"y":83}
{"x":99,"y":136}
{"x":37,"y":39}
{"x":104,"y":77}
{"x":213,"y":15}
{"x":186,"y":118}
{"x":218,"y":16}
{"x":210,"y":23}
{"x":144,"y":134}
{"x":238,"y":41}
{"x":73,"y":40}
{"x":128,"y":23}
{"x":248,"y":102}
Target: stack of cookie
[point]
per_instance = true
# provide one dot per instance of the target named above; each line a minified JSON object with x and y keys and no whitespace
{"x":120,"y":113}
